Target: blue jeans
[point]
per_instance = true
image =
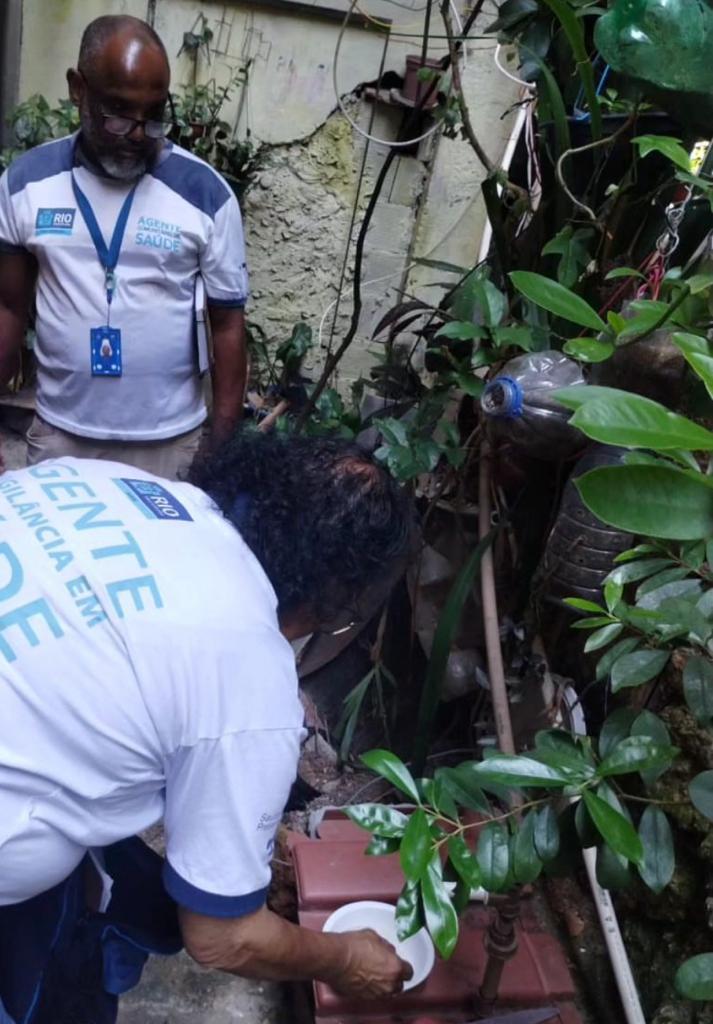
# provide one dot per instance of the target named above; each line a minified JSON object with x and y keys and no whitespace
{"x":61,"y":963}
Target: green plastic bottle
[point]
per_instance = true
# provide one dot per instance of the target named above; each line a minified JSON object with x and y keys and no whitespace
{"x":667,"y":43}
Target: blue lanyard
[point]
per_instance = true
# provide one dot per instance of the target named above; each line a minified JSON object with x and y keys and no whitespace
{"x":108,"y":257}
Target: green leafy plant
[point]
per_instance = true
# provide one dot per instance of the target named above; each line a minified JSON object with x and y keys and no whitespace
{"x":500,"y":822}
{"x":36,"y":121}
{"x":200,"y":127}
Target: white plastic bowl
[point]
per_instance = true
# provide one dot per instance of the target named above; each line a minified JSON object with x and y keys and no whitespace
{"x":381,"y":918}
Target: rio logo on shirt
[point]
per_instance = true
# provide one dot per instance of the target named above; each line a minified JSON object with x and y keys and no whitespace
{"x":55,"y":221}
{"x":153,"y":500}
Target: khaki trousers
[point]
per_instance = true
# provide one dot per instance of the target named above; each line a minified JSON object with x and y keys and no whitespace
{"x":170,"y":458}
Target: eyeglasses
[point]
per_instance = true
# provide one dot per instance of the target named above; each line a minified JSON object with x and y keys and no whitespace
{"x":121,"y":126}
{"x":116,"y":124}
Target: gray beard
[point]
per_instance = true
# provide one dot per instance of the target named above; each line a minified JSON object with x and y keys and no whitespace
{"x":123,"y":170}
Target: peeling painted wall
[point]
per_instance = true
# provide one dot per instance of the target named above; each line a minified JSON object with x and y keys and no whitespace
{"x":316,"y":172}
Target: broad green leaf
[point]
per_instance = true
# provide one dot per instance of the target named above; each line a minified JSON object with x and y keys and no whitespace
{"x":461,"y":329}
{"x":698,"y":687}
{"x":616,"y":321}
{"x":493,"y":855}
{"x":659,"y":861}
{"x":593,"y":623}
{"x":469,"y":769}
{"x":547,"y":833}
{"x":379,"y":819}
{"x":694,"y":978}
{"x":637,"y":668}
{"x":557,"y":299}
{"x":636,"y":422}
{"x":698,"y":283}
{"x":636,"y":754}
{"x":655,"y":598}
{"x":615,"y":729}
{"x":464,"y":861}
{"x":700,"y":790}
{"x":559,"y":748}
{"x":698,"y":356}
{"x":415,"y":852}
{"x":648,"y":315}
{"x":602,"y":637}
{"x":693,"y":554}
{"x":460,"y":897}
{"x":527,"y":865}
{"x":390,"y":767}
{"x":613,"y":591}
{"x":441,"y":918}
{"x":655,"y":501}
{"x":637,"y":552}
{"x":518,"y":335}
{"x":462,"y":786}
{"x":616,"y":831}
{"x":638,"y":570}
{"x":409,"y":918}
{"x":582,"y":605}
{"x":443,"y":800}
{"x":650,"y":725}
{"x":577,"y":395}
{"x":613,"y":870}
{"x":379,"y":846}
{"x":491,"y":301}
{"x":624,"y":272}
{"x":668,"y":146}
{"x":605,"y":663}
{"x":588,"y":350}
{"x":393,"y":430}
{"x":469,"y":384}
{"x":513,"y":770}
{"x":660,"y":580}
{"x":587,"y":833}
{"x":572,"y":246}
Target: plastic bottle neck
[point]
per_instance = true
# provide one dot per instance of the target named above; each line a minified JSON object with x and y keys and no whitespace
{"x":503,"y":398}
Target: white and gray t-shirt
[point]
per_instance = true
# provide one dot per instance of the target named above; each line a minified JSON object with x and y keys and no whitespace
{"x":184,"y":221}
{"x":142,"y":674}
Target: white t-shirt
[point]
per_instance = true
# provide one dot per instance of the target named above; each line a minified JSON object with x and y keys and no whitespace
{"x":142,"y":674}
{"x":184,"y":220}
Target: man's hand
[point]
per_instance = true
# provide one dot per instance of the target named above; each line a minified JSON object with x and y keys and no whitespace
{"x":373,"y":970}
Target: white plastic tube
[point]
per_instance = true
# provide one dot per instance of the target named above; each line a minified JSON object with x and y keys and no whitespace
{"x":603,"y":901}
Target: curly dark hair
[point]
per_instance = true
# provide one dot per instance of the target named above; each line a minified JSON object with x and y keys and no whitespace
{"x":323,"y":519}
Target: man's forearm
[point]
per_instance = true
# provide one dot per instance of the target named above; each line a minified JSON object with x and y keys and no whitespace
{"x":229,"y":371}
{"x":264,"y":945}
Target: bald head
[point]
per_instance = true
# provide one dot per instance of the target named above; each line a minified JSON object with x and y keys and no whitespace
{"x":117,"y":32}
{"x":123,"y":76}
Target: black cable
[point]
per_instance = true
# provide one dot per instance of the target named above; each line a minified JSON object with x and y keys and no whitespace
{"x":334,"y":359}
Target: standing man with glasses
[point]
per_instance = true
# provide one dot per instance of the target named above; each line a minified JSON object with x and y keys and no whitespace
{"x":118,"y":233}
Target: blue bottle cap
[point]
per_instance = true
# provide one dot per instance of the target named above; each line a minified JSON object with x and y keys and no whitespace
{"x":503,"y":398}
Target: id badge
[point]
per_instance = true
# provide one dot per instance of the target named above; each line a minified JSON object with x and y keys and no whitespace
{"x":105,"y":351}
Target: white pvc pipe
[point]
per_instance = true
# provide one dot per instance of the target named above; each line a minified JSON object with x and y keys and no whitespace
{"x":615,"y":943}
{"x":602,"y":900}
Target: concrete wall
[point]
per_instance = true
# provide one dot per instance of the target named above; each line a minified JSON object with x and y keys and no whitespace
{"x":316,"y":173}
